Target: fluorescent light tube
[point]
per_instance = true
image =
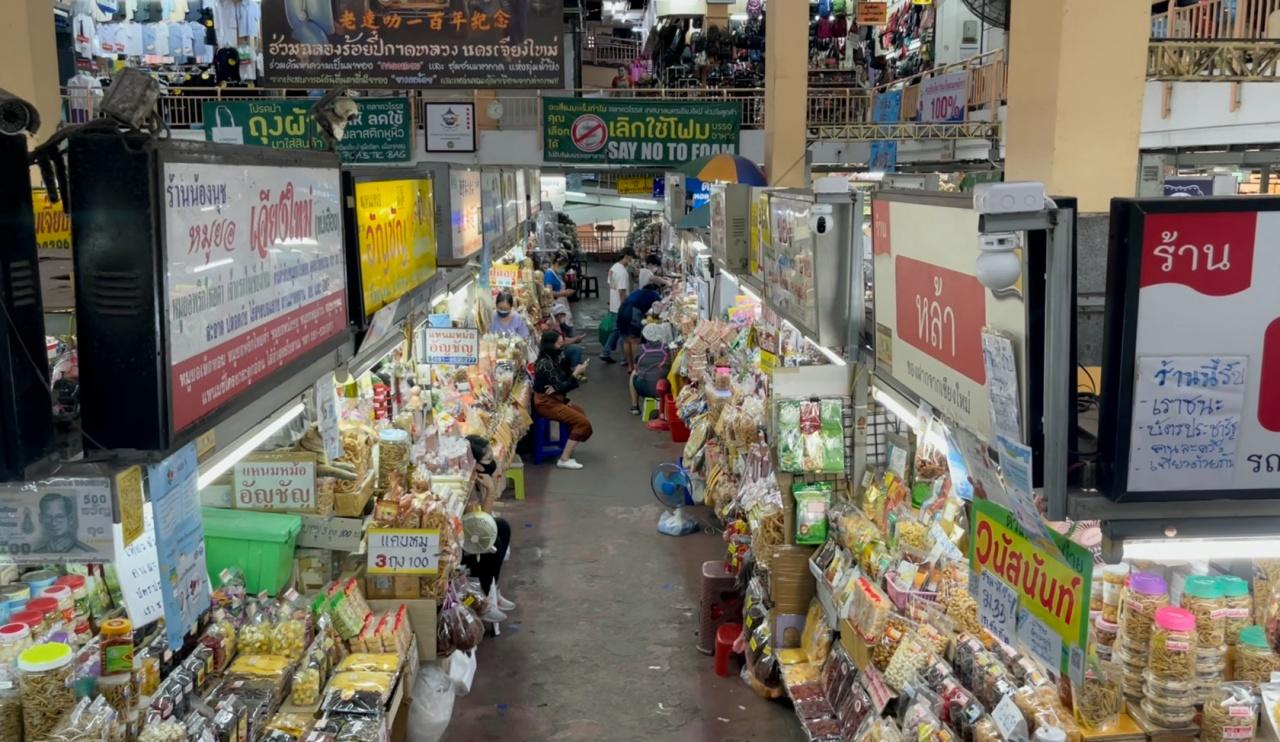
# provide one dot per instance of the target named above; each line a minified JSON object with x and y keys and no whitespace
{"x":224,"y":463}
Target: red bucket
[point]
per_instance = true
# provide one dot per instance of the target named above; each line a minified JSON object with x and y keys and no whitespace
{"x":679,"y":431}
{"x":726,"y":635}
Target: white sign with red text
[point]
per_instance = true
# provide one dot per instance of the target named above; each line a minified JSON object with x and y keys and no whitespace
{"x":943,"y":99}
{"x":255,"y":276}
{"x":453,"y":346}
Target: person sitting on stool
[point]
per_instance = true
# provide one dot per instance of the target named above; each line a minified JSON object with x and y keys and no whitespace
{"x":552,"y":381}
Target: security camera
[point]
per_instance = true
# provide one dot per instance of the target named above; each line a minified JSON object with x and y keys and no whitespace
{"x":16,"y":115}
{"x":333,"y":112}
{"x":999,"y":266}
{"x":1017,"y":197}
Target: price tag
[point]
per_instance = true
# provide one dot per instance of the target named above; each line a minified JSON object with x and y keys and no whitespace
{"x":1008,"y":719}
{"x":997,"y":607}
{"x":327,"y":412}
{"x":404,"y":551}
{"x":334,"y":534}
{"x":875,"y":686}
{"x":285,"y":482}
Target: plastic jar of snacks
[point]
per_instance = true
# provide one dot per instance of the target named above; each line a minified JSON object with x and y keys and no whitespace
{"x":45,"y":678}
{"x":1113,"y":579}
{"x":33,"y":620}
{"x":115,"y":649}
{"x":48,"y":610}
{"x":1104,"y":632}
{"x":1254,"y":659}
{"x":1230,"y":712}
{"x":10,"y":704}
{"x":1147,"y":594}
{"x":79,"y":591}
{"x":1204,"y":597}
{"x":14,"y":639}
{"x":1239,"y":606}
{"x":66,"y":605}
{"x":1173,"y":645}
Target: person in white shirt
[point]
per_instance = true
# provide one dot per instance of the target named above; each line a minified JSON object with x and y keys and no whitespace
{"x":649,"y":271}
{"x":619,"y":289}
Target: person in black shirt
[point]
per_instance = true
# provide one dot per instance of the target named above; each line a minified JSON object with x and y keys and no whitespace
{"x":552,"y":382}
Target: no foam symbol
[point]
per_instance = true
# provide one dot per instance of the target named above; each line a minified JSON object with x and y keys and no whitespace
{"x":589,"y":133}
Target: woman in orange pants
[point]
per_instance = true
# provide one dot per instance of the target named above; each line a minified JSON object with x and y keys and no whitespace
{"x":552,"y":382}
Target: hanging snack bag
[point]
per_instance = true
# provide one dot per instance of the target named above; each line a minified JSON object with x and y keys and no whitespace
{"x":812,"y":501}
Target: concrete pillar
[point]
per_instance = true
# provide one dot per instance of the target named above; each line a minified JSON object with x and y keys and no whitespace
{"x":1077,"y":73}
{"x":28,"y":56}
{"x":717,"y":15}
{"x":786,"y":89}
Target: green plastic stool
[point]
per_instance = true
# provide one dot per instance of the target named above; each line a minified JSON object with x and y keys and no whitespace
{"x":650,"y":406}
{"x":515,"y":473}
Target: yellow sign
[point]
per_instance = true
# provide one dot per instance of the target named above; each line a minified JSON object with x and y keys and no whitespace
{"x":639,"y":186}
{"x":1054,"y":591}
{"x":53,"y":224}
{"x":922,"y":2}
{"x":767,"y":363}
{"x":129,"y":501}
{"x":397,"y":237}
{"x":503,"y":276}
{"x":760,"y":235}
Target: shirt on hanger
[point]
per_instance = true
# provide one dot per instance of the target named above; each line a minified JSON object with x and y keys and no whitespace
{"x":199,"y":49}
{"x":179,"y":40}
{"x":248,"y":72}
{"x":248,"y":18}
{"x":225,"y":22}
{"x":85,"y":35}
{"x":162,"y":39}
{"x":226,"y":64}
{"x":179,"y":11}
{"x":83,"y":93}
{"x":129,"y":39}
{"x":107,"y":33}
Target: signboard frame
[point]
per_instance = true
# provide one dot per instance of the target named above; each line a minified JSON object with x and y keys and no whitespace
{"x":1129,"y":221}
{"x":588,"y":127}
{"x":466,"y":138}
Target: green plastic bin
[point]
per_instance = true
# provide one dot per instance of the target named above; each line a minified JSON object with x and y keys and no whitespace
{"x":260,"y":544}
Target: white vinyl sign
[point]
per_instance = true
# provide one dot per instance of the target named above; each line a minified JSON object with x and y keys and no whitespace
{"x":255,"y":276}
{"x":451,"y":127}
{"x":464,"y":198}
{"x":288,"y":486}
{"x":403,"y":551}
{"x":944,"y":99}
{"x":1206,"y":393}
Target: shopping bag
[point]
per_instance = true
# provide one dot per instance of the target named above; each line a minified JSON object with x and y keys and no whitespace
{"x":607,"y":326}
{"x":231,"y":134}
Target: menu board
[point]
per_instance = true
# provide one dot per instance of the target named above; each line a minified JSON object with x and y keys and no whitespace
{"x":396,"y":228}
{"x":491,"y":207}
{"x":789,"y":261}
{"x":465,"y":214}
{"x":1192,"y":359}
{"x":254,"y":276}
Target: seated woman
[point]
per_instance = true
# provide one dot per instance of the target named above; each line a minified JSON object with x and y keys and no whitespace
{"x":653,"y":363}
{"x":552,"y":382}
{"x":505,"y":319}
{"x":486,"y":566}
{"x":562,"y":322}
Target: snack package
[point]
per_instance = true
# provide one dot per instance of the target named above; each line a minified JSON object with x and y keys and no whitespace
{"x":812,"y":501}
{"x":1099,"y":701}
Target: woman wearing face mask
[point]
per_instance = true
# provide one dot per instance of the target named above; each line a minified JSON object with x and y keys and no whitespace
{"x":505,"y":319}
{"x":486,"y":566}
{"x":552,"y":382}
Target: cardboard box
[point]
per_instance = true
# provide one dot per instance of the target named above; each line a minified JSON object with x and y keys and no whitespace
{"x":422,"y":619}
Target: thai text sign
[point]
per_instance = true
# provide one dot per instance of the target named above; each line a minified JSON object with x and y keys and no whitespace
{"x":379,"y":133}
{"x":453,"y":346}
{"x":404,"y":551}
{"x":943,"y":99}
{"x":636,"y":186}
{"x":1055,"y":592}
{"x":396,"y":224}
{"x":413,"y":44}
{"x":637,"y":132}
{"x":53,"y":225}
{"x":255,"y":276}
{"x":283,"y":482}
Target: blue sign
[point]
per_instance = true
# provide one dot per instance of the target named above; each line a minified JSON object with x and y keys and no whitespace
{"x":698,"y":193}
{"x":660,"y":187}
{"x":180,"y":549}
{"x":887,"y":109}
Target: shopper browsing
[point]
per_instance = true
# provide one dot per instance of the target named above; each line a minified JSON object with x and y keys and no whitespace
{"x":553,"y":278}
{"x":649,"y":271}
{"x":619,"y":288}
{"x":631,"y":316}
{"x":505,"y":319}
{"x":553,"y":379}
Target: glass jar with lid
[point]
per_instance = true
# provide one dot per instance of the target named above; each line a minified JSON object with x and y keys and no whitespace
{"x":14,"y":638}
{"x":1173,"y":645}
{"x":116,"y":647}
{"x":1206,"y":599}
{"x":48,"y":610}
{"x":79,"y":591}
{"x":66,"y":605}
{"x":1239,"y":606}
{"x":47,"y":694}
{"x":1255,"y":661}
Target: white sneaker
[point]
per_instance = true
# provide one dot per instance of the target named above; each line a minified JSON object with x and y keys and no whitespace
{"x":494,"y":614}
{"x":503,"y":604}
{"x":568,"y":464}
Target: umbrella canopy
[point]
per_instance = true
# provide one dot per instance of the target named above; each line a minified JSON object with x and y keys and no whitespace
{"x":727,"y":169}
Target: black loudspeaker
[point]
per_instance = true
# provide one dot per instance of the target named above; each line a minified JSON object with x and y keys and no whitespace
{"x":26,"y":412}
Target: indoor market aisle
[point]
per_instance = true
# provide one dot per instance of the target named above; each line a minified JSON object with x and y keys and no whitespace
{"x":601,"y":646}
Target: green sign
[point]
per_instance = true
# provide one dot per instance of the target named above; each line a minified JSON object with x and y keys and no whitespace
{"x":637,"y":132}
{"x":381,"y":133}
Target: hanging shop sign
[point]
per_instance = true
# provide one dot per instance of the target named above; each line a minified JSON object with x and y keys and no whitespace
{"x":283,"y":482}
{"x":138,"y":571}
{"x":1052,"y":590}
{"x":640,"y":185}
{"x":414,"y":45}
{"x":180,"y":545}
{"x":396,"y":233}
{"x":503,"y":276}
{"x":491,"y":208}
{"x":944,"y":99}
{"x":872,"y":13}
{"x":255,"y":276}
{"x":450,"y":126}
{"x":453,"y":346}
{"x":380,"y":132}
{"x":886,"y":109}
{"x":56,"y":520}
{"x":403,"y":551}
{"x":53,"y":225}
{"x":931,"y":311}
{"x":1192,"y":350}
{"x":637,"y":132}
{"x":465,"y":213}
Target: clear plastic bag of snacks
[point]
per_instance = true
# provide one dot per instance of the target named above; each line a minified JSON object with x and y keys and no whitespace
{"x":1230,"y":713}
{"x":359,"y":693}
{"x":1099,"y":701}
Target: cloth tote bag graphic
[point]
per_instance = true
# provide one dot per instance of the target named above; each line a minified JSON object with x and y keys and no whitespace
{"x":230,"y":133}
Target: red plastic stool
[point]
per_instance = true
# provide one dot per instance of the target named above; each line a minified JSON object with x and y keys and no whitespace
{"x":726,"y":635}
{"x":721,"y":603}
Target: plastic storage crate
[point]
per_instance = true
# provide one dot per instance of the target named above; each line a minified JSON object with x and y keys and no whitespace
{"x":261,"y":544}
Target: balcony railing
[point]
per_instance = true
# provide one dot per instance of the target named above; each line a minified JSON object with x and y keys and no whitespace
{"x":606,"y":49}
{"x":1218,"y":20}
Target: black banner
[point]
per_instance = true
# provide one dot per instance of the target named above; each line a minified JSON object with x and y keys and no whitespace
{"x":413,"y":43}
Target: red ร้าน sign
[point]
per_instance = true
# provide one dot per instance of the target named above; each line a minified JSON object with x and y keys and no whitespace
{"x":941,"y":312}
{"x":1208,"y":253}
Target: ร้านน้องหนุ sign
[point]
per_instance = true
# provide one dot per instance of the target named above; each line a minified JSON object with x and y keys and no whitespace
{"x":637,"y":132}
{"x":413,"y":44}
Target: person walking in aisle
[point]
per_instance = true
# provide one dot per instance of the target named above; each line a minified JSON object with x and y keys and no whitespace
{"x":649,"y":271}
{"x":505,"y":319}
{"x":552,"y":382}
{"x":486,"y":565}
{"x":619,"y":288}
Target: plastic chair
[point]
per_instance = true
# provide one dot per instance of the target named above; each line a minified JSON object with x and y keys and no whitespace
{"x":648,"y":406}
{"x":588,"y":287}
{"x":544,"y":446}
{"x":515,"y":473}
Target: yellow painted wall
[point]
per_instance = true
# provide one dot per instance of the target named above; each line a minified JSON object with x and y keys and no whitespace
{"x":28,"y":58}
{"x":786,"y":88}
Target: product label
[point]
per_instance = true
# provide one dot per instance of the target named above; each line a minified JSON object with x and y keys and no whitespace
{"x":1237,"y":613}
{"x":1175,"y":646}
{"x":117,"y":659}
{"x":1243,"y":732}
{"x":1220,"y":613}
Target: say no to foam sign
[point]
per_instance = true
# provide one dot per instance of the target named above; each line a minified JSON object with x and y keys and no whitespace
{"x":404,"y":551}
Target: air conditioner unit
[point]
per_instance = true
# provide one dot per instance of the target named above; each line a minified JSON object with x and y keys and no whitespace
{"x":730,"y":225}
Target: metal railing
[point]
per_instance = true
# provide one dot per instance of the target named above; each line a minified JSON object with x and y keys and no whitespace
{"x":1214,"y":61}
{"x":1218,"y":20}
{"x":607,"y":49}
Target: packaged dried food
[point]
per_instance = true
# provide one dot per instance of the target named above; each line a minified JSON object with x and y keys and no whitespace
{"x":810,"y":436}
{"x":45,"y":672}
{"x":1239,"y":606}
{"x":304,"y":689}
{"x":1230,"y":713}
{"x":1173,"y":645}
{"x":1167,"y":717}
{"x":1146,"y":594}
{"x":812,"y":501}
{"x":1206,"y":599}
{"x":118,"y":692}
{"x":1255,"y":660}
{"x":163,"y":731}
{"x":1099,"y":701}
{"x":869,"y":612}
{"x":255,"y":636}
{"x":1104,"y":632}
{"x":259,"y":666}
{"x":288,"y":727}
{"x":10,"y":704}
{"x":289,"y":638}
{"x":908,"y":660}
{"x":14,"y":638}
{"x":357,"y":692}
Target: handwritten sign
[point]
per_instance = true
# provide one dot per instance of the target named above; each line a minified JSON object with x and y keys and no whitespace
{"x":334,"y":534}
{"x":404,"y":551}
{"x":129,"y":502}
{"x":1008,"y":718}
{"x":997,"y":607}
{"x":1002,"y":385}
{"x":283,"y":482}
{"x":138,"y":571}
{"x":453,"y":346}
{"x":1187,"y":414}
{"x":1037,"y":639}
{"x":998,"y":545}
{"x":327,"y":417}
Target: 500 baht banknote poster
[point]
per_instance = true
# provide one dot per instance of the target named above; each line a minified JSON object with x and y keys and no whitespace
{"x":413,"y":43}
{"x":56,"y":520}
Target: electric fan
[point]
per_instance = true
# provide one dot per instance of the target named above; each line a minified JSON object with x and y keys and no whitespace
{"x":671,"y":486}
